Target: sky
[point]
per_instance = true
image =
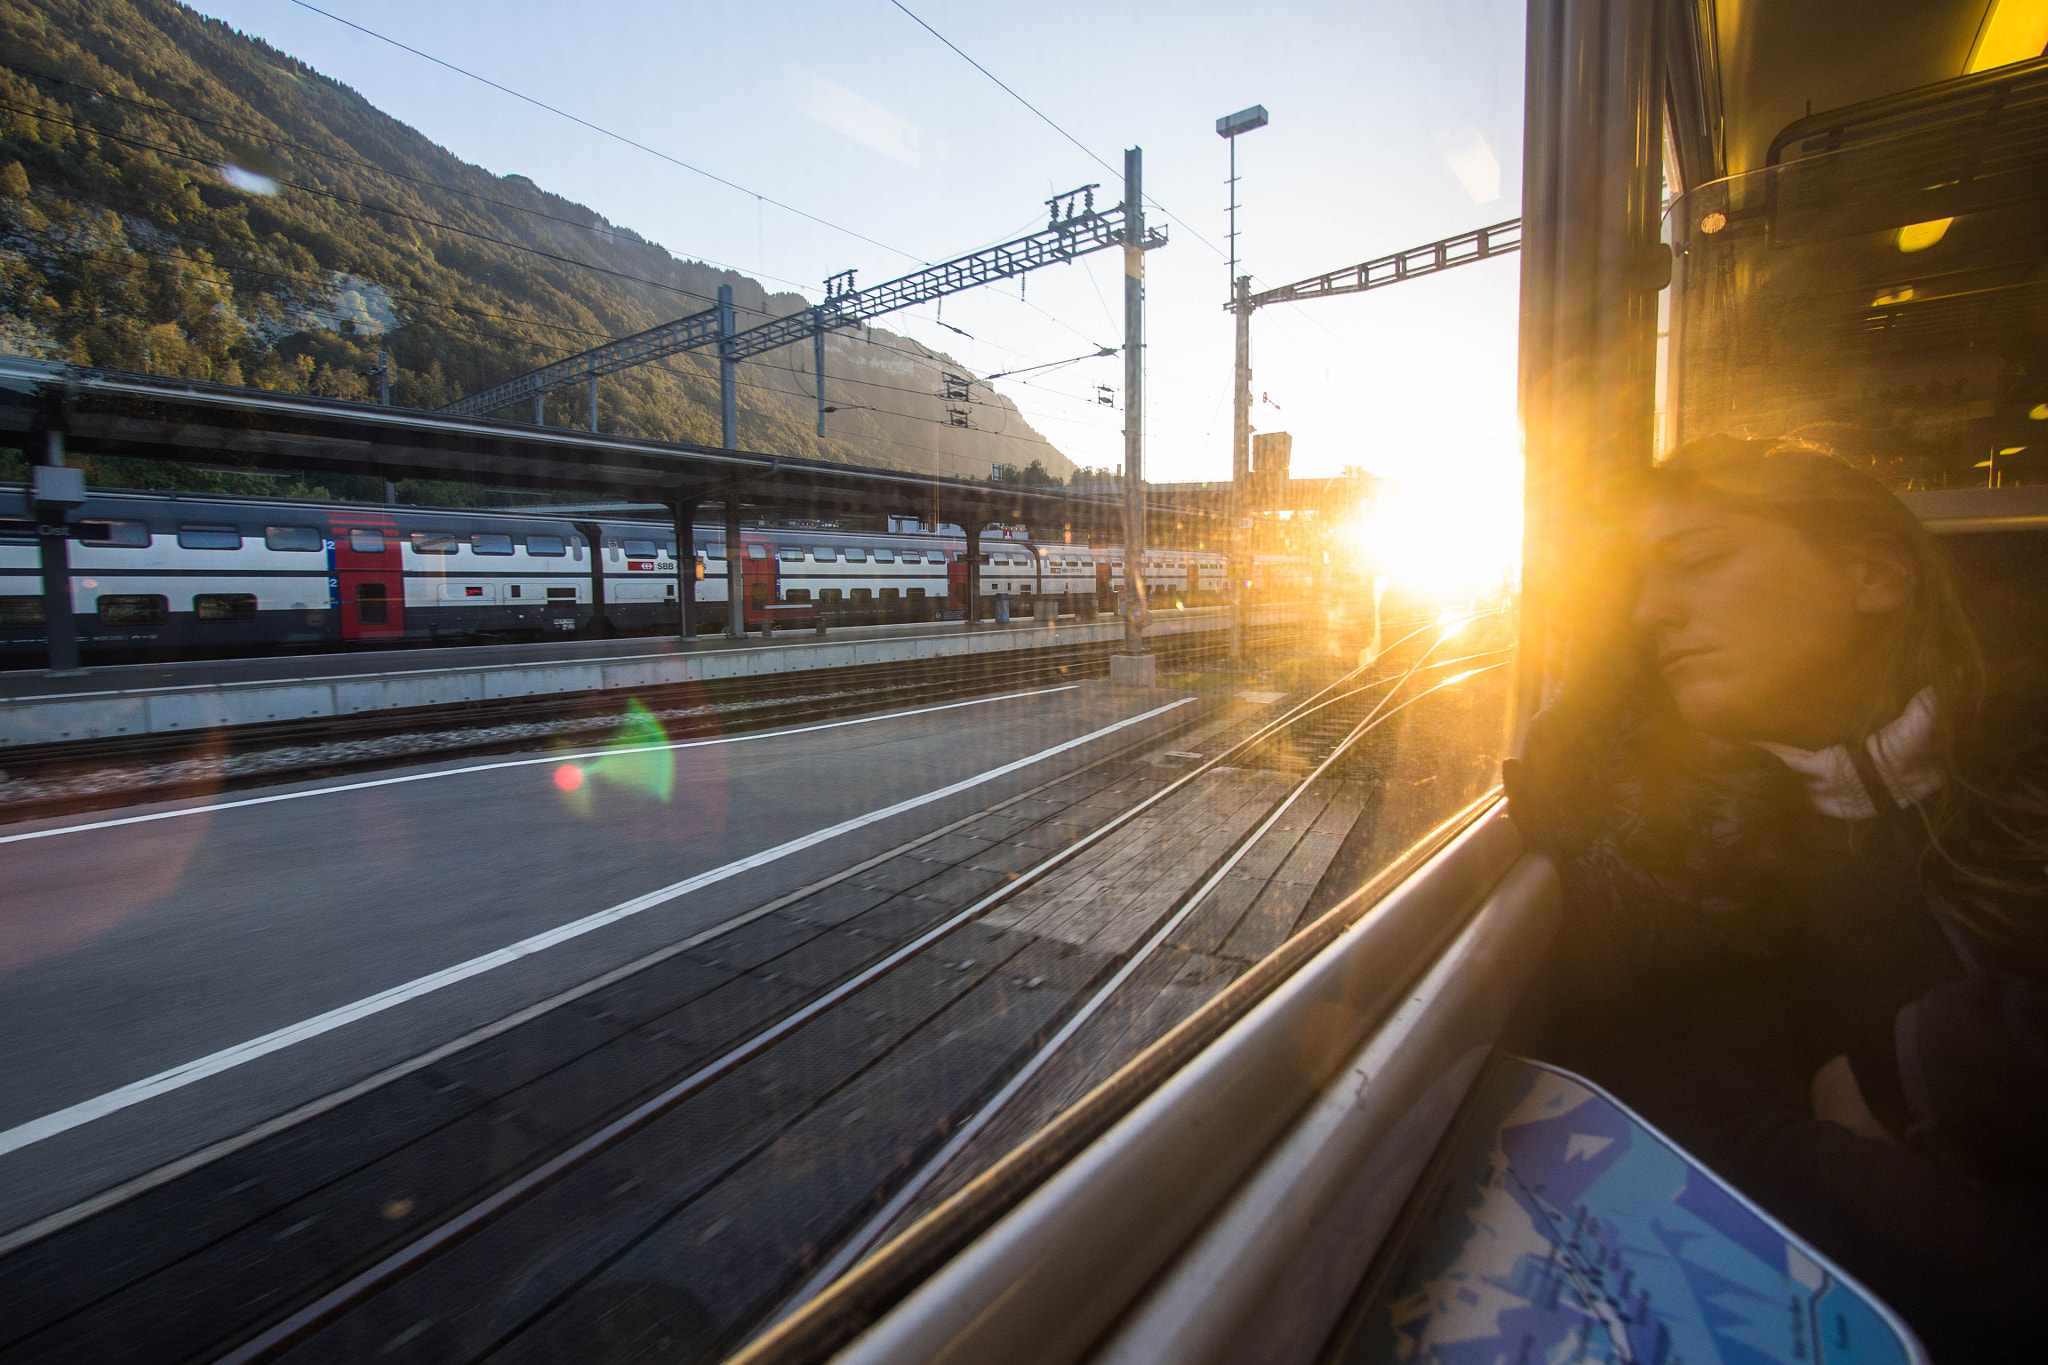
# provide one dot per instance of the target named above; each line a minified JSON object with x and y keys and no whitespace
{"x":1392,"y":123}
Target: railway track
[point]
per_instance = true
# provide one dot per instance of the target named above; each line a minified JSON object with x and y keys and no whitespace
{"x":45,"y":782}
{"x":719,"y":1074}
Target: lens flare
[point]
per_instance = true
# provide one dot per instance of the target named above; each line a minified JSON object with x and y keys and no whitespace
{"x":569,"y":777}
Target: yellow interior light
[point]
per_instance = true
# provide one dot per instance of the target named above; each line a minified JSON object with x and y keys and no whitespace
{"x":2039,"y":412}
{"x":1920,"y":236}
{"x":2012,"y":450}
{"x":1887,"y":300}
{"x":2013,"y":31}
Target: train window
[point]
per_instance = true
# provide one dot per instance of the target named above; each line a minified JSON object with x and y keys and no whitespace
{"x":549,"y":547}
{"x":639,"y":549}
{"x":827,"y":596}
{"x":129,"y":535}
{"x":435,"y":542}
{"x":987,"y":560}
{"x":757,"y":551}
{"x":224,"y":606}
{"x":885,"y":556}
{"x":293,"y":538}
{"x":132,"y":609}
{"x":910,"y":557}
{"x":913,"y":594}
{"x":714,"y":550}
{"x":788,"y":554}
{"x":861,"y":595}
{"x":561,"y":594}
{"x":366,"y":542}
{"x":824,"y":554}
{"x":21,"y":611}
{"x":208,"y":537}
{"x":797,"y":595}
{"x":891,"y":594}
{"x":373,"y":604}
{"x":856,"y":555}
{"x":490,"y":543}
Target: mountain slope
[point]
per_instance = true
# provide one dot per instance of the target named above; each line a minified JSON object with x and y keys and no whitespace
{"x":125,"y":243}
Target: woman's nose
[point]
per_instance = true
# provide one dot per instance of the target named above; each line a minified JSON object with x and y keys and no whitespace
{"x":1656,"y":607}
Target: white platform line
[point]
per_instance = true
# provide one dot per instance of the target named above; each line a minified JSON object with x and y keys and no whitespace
{"x":466,"y":769}
{"x":176,"y":1078}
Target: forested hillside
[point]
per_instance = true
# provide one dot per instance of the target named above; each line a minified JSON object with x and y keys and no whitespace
{"x":178,"y":199}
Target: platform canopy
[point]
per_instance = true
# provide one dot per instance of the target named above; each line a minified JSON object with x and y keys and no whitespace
{"x":105,"y":412}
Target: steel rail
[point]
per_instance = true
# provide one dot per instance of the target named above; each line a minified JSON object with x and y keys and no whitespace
{"x":309,"y":1319}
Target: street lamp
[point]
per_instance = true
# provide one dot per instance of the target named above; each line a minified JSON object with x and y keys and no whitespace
{"x":1228,"y":128}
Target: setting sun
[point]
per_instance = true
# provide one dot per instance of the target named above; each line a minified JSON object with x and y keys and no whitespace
{"x":1445,"y":538}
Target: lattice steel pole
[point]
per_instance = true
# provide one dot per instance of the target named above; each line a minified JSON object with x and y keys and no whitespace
{"x":1135,"y":664}
{"x":728,"y":373}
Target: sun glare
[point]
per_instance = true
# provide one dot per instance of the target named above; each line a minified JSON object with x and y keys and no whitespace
{"x":1445,"y":539}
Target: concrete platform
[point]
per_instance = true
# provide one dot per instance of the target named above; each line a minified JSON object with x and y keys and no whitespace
{"x":41,"y":708}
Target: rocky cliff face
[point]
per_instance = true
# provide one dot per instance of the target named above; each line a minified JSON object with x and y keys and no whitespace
{"x":177,"y":198}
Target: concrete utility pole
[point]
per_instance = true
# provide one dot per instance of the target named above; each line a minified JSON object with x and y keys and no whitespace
{"x":728,"y":372}
{"x":1228,"y":128}
{"x":1134,"y":666}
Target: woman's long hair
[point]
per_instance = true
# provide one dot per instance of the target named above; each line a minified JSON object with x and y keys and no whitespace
{"x":1987,"y":828}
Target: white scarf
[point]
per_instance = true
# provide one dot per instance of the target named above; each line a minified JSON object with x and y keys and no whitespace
{"x":1901,"y":753}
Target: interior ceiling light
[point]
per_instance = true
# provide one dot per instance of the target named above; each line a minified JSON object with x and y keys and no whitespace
{"x":2039,"y":412}
{"x":1887,"y":300}
{"x":1713,"y":222}
{"x":1920,"y":236}
{"x":2013,"y":31}
{"x":2012,"y":450}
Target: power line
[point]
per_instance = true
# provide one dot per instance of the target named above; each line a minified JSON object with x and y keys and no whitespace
{"x":599,"y":128}
{"x":1049,"y":122}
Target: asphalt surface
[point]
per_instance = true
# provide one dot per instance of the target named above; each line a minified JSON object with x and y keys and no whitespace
{"x":128,"y":950}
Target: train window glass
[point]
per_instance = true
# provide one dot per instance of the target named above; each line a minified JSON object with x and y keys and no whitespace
{"x":891,"y":594}
{"x":208,"y":537}
{"x":132,"y":609}
{"x":824,"y":554}
{"x":435,"y":542}
{"x":827,"y":596}
{"x":515,"y":590}
{"x":639,"y":549}
{"x":797,"y":595}
{"x":366,"y":542}
{"x":224,"y":606}
{"x":913,"y":594}
{"x":293,"y":538}
{"x":790,"y":554}
{"x":987,"y":560}
{"x":549,"y":547}
{"x":21,"y":611}
{"x":862,"y":595}
{"x":373,"y":604}
{"x":910,"y":557}
{"x":129,"y":535}
{"x":885,"y":555}
{"x":490,"y":543}
{"x":714,"y":550}
{"x":561,"y":594}
{"x":856,"y":555}
{"x":757,"y":551}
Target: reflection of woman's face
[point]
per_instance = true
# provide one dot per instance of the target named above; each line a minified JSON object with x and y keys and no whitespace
{"x":1756,"y":630}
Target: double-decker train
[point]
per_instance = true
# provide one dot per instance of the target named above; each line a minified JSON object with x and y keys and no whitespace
{"x":168,"y":573}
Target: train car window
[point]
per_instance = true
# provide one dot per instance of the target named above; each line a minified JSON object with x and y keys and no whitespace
{"x":856,"y":555}
{"x":891,"y":594}
{"x":132,"y":609}
{"x":828,"y":595}
{"x":757,"y":551}
{"x":913,"y":594}
{"x":21,"y":611}
{"x":885,"y":556}
{"x":293,"y":538}
{"x":639,"y":549}
{"x":548,"y":547}
{"x":366,"y":542}
{"x":788,"y":554}
{"x":224,"y":606}
{"x":714,"y":550}
{"x":797,"y":595}
{"x":824,"y":554}
{"x":129,"y":535}
{"x":435,"y":542}
{"x":561,"y":594}
{"x":373,"y":604}
{"x":490,"y":543}
{"x":862,"y":595}
{"x":910,"y":557}
{"x":206,"y":537}
{"x":987,"y":560}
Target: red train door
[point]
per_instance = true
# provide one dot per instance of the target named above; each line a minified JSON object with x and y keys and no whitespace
{"x":956,"y":581}
{"x":758,"y":578}
{"x":369,"y":581}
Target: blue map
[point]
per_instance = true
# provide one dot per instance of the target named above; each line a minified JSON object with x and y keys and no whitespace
{"x":1564,"y":1229}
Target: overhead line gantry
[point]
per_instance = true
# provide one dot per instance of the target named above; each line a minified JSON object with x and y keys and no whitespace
{"x":1075,"y":228}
